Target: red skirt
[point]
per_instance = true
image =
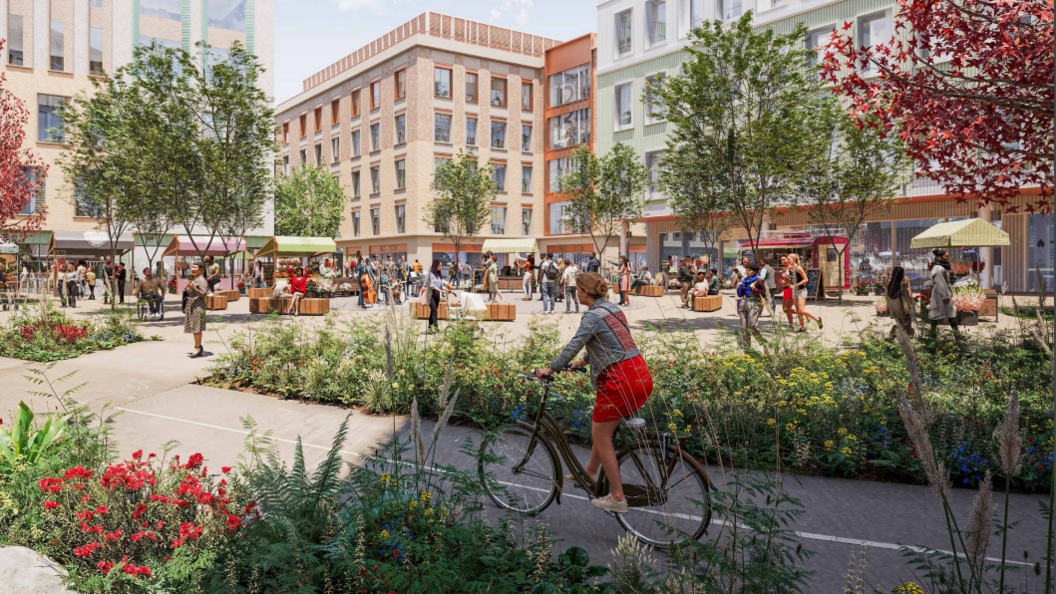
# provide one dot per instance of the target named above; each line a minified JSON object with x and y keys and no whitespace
{"x":787,"y":293}
{"x":622,"y":389}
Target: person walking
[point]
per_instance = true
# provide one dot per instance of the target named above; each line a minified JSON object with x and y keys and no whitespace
{"x":941,"y":306}
{"x":548,"y":275}
{"x":258,"y":275}
{"x":82,"y":279}
{"x":624,"y":274}
{"x":108,"y":282}
{"x":799,"y":292}
{"x":89,"y":277}
{"x":526,"y":282}
{"x":491,"y":281}
{"x":620,"y":376}
{"x":559,"y":287}
{"x":194,"y":307}
{"x":685,"y":280}
{"x":434,"y":284}
{"x":122,"y":276}
{"x":752,"y":298}
{"x":73,"y":285}
{"x":568,"y":279}
{"x":593,"y":263}
{"x":768,"y":276}
{"x":900,"y":302}
{"x":788,"y":305}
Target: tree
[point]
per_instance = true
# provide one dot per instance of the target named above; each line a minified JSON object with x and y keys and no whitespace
{"x":967,"y":86}
{"x":693,"y":196}
{"x":22,"y":174}
{"x":308,"y":203}
{"x":463,"y":192}
{"x":854,"y":175}
{"x":746,"y":104}
{"x":604,"y":193}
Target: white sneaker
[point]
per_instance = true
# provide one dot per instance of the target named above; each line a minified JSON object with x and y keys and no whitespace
{"x":607,"y":503}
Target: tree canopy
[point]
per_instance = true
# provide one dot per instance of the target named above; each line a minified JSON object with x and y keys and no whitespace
{"x":309,"y":202}
{"x":463,"y":192}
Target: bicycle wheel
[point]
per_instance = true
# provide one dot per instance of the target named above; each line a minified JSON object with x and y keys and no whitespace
{"x":530,"y":488}
{"x":679,"y":512}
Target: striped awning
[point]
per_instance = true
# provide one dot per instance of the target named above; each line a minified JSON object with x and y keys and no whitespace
{"x":526,"y":245}
{"x":959,"y":234}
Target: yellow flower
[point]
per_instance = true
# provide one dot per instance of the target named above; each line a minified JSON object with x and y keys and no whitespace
{"x":908,"y":588}
{"x":828,"y":444}
{"x":737,"y":393}
{"x":413,"y":505}
{"x":677,"y":413}
{"x":385,"y":477}
{"x":852,"y":438}
{"x":790,"y":427}
{"x":384,"y":534}
{"x":429,"y":512}
{"x":426,"y":497}
{"x":672,"y":428}
{"x":689,"y":428}
{"x":771,"y":422}
{"x":845,"y":451}
{"x":841,"y":431}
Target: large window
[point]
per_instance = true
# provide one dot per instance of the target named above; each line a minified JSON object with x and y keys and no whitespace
{"x":653,"y":162}
{"x":375,"y":137}
{"x":286,"y":165}
{"x":526,"y":221}
{"x":355,"y":184}
{"x":227,"y":14}
{"x":401,"y":129}
{"x":318,"y":155}
{"x":317,"y":115}
{"x":526,"y":96}
{"x":95,"y":51}
{"x":335,"y":112}
{"x":375,"y":95}
{"x":375,"y":220}
{"x":498,"y":135}
{"x":375,"y":180}
{"x":624,"y":104}
{"x":526,"y":179}
{"x":35,"y":200}
{"x":623,"y":33}
{"x":498,"y":92}
{"x":570,"y":85}
{"x":526,"y":138}
{"x":355,"y":142}
{"x":730,"y":9}
{"x":498,"y":175}
{"x":303,"y":121}
{"x":656,"y":13}
{"x":82,"y":207}
{"x":471,"y":87}
{"x":815,"y":41}
{"x":355,"y":103}
{"x":498,"y":220}
{"x":335,"y":149}
{"x":401,"y":174}
{"x":471,"y":131}
{"x":559,"y":223}
{"x":58,"y":61}
{"x":652,"y":107}
{"x":874,"y":29}
{"x":401,"y":218}
{"x":14,"y":40}
{"x":401,"y":84}
{"x":49,"y":119}
{"x":355,"y":223}
{"x":557,"y":169}
{"x":442,"y":82}
{"x":442,"y":127}
{"x":696,"y":13}
{"x":570,"y":129}
{"x":162,"y":9}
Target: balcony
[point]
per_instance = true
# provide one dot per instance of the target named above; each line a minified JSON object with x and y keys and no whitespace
{"x":657,"y":33}
{"x":623,"y":44}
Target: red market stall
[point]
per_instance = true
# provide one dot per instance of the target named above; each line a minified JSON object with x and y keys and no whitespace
{"x":814,"y":252}
{"x":184,"y":248}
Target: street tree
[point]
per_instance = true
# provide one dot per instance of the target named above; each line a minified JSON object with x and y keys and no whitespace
{"x":694,"y":196}
{"x":22,"y":174}
{"x":746,"y":103}
{"x":309,"y":202}
{"x":603,"y":193}
{"x":463,"y":192}
{"x":967,"y":86}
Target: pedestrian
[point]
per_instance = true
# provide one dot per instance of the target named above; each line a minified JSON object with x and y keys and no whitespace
{"x":82,"y":278}
{"x":560,"y":286}
{"x":619,"y":374}
{"x":434,"y":284}
{"x":685,"y":280}
{"x":89,"y":277}
{"x":593,"y":263}
{"x":941,"y":306}
{"x":624,"y":274}
{"x":568,"y":278}
{"x":768,"y":276}
{"x":713,"y":282}
{"x":258,"y":275}
{"x":108,"y":281}
{"x":526,"y":282}
{"x":298,"y":289}
{"x":194,"y":306}
{"x":491,"y":281}
{"x":361,"y":269}
{"x":73,"y":285}
{"x":741,"y":270}
{"x":752,"y":298}
{"x":122,"y":276}
{"x":799,"y":292}
{"x":548,"y":275}
{"x":785,"y":280}
{"x":900,"y":301}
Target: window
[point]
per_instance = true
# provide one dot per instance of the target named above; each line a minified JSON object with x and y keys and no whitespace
{"x":227,"y":15}
{"x":875,"y":29}
{"x":498,"y":220}
{"x":558,"y":220}
{"x":36,"y":200}
{"x":335,"y":112}
{"x":624,"y":101}
{"x":442,"y":127}
{"x":526,"y":138}
{"x":375,"y":137}
{"x":442,"y":82}
{"x":355,"y":184}
{"x":498,"y":92}
{"x":623,"y":33}
{"x":304,"y":125}
{"x":375,"y":180}
{"x":318,"y":154}
{"x":83,"y":207}
{"x":335,"y":150}
{"x":730,"y":9}
{"x":355,"y":143}
{"x":653,"y":163}
{"x":526,"y":179}
{"x":14,"y":40}
{"x":355,"y":223}
{"x":471,"y":131}
{"x":375,"y":95}
{"x":95,"y":51}
{"x":355,"y":103}
{"x":163,"y":9}
{"x":49,"y":119}
{"x":498,"y":135}
{"x":526,"y":96}
{"x":286,"y":165}
{"x":471,"y":87}
{"x":401,"y":218}
{"x":815,"y":41}
{"x":401,"y":129}
{"x":526,"y":221}
{"x":696,"y":13}
{"x":401,"y":83}
{"x":570,"y":85}
{"x":95,"y":2}
{"x":285,"y":133}
{"x":558,"y":168}
{"x":57,"y":53}
{"x":304,"y":157}
{"x":401,"y":174}
{"x":569,"y":129}
{"x":652,"y":107}
{"x":375,"y":220}
{"x":318,"y":115}
{"x":656,"y":14}
{"x":498,"y":175}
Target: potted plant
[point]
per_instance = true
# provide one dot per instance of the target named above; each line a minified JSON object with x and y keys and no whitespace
{"x":881,"y":283}
{"x":862,"y":288}
{"x":172,"y":286}
{"x":881,"y":306}
{"x":241,"y":287}
{"x":325,"y":287}
{"x":968,"y":300}
{"x":313,"y":289}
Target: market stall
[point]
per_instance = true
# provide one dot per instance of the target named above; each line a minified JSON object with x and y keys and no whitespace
{"x":184,"y":247}
{"x":509,"y":278}
{"x":283,"y":252}
{"x":968,"y":296}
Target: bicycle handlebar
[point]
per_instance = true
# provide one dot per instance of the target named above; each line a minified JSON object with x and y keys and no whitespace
{"x":549,"y":378}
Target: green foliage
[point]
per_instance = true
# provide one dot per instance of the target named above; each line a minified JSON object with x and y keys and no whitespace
{"x":464,"y":193}
{"x":309,"y":203}
{"x":23,"y":442}
{"x":44,"y":334}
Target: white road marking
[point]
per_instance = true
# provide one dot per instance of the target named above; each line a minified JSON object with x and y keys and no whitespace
{"x":806,"y":535}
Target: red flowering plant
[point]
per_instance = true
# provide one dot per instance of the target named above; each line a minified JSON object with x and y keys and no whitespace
{"x":137,"y":516}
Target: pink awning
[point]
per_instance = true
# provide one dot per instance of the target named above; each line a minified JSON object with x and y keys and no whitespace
{"x":182,"y":245}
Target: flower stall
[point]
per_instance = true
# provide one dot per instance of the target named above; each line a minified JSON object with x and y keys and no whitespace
{"x":286,"y":252}
{"x":966,"y":233}
{"x":199,"y":246}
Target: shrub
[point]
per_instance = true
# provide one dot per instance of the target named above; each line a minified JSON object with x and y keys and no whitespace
{"x":45,"y":335}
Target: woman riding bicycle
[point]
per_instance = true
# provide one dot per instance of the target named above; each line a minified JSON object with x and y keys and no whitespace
{"x":620,"y":376}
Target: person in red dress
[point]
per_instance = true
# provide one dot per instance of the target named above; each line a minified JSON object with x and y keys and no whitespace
{"x":298,"y":288}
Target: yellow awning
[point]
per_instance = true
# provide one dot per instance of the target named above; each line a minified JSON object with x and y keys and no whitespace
{"x":525,"y":245}
{"x":965,"y":233}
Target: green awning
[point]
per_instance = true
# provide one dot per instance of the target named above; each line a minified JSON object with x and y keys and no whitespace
{"x":525,"y":245}
{"x":152,"y":240}
{"x":38,"y":238}
{"x":296,"y":247}
{"x":963,"y":233}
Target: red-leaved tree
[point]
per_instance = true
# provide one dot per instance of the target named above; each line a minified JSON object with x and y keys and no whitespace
{"x":22,"y":173}
{"x":968,"y":85}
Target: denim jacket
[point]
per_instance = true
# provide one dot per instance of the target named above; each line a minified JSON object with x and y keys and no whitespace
{"x":605,"y":335}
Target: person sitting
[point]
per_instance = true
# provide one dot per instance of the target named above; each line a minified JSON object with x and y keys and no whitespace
{"x":150,"y":290}
{"x":713,"y":282}
{"x":645,"y":278}
{"x":701,"y":289}
{"x":298,"y":289}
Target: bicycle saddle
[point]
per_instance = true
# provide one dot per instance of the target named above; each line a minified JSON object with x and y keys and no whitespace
{"x":634,"y":422}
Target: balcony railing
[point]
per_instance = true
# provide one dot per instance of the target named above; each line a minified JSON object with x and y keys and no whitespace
{"x":657,"y":33}
{"x":623,"y":44}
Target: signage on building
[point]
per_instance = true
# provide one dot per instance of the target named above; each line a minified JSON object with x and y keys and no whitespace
{"x":572,"y":248}
{"x":470,"y":248}
{"x":96,"y":238}
{"x":392,"y":248}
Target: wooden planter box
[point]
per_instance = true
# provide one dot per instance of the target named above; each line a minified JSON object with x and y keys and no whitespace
{"x":232,"y":296}
{"x":989,"y":307}
{"x":709,"y":303}
{"x":314,"y":307}
{"x":263,"y":305}
{"x":216,"y":301}
{"x":502,"y":312}
{"x":422,"y":311}
{"x":258,"y":293}
{"x":650,"y":291}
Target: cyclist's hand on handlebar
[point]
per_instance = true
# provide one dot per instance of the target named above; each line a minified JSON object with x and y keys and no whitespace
{"x":543,"y":372}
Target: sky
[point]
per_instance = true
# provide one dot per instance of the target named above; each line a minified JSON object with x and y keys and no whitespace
{"x":312,"y":34}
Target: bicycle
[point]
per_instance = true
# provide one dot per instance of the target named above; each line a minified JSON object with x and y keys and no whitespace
{"x":667,"y":490}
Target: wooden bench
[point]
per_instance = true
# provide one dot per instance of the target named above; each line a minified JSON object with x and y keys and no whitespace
{"x":258,"y":293}
{"x":263,"y":305}
{"x":709,"y":303}
{"x":232,"y":296}
{"x":422,"y":311}
{"x":502,"y":312}
{"x":651,"y":291}
{"x":216,"y":301}
{"x":314,"y":307}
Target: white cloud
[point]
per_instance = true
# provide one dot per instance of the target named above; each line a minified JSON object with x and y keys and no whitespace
{"x":517,"y":9}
